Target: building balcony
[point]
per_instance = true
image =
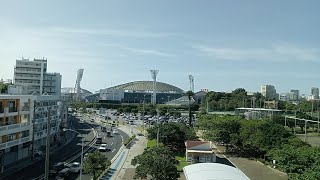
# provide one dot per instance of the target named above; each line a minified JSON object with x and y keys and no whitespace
{"x":14,"y":142}
{"x":26,"y":71}
{"x":13,"y":128}
{"x":18,"y":77}
{"x":19,"y":65}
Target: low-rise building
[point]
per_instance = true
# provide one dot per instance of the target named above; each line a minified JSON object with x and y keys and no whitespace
{"x":200,"y":152}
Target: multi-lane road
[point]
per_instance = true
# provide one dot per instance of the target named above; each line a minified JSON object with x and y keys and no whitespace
{"x":114,"y":142}
{"x":67,"y":152}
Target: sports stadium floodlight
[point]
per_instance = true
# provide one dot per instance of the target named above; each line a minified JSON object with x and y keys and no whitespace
{"x":154,"y":74}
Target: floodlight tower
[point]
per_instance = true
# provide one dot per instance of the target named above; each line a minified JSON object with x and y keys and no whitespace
{"x":78,"y":81}
{"x":154,"y":74}
{"x":191,"y":79}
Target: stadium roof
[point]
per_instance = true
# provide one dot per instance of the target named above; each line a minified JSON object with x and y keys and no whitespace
{"x":213,"y":171}
{"x":70,"y":90}
{"x":147,"y":86}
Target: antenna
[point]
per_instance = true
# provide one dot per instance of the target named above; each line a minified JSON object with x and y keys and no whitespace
{"x":191,"y":80}
{"x":154,"y":74}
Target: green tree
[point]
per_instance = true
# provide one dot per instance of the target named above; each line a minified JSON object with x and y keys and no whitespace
{"x":219,"y":128}
{"x":157,"y":162}
{"x":190,"y":94}
{"x":95,"y":163}
{"x":3,"y":87}
{"x":172,"y":134}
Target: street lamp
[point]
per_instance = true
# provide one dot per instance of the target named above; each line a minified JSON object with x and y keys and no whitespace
{"x":64,"y":129}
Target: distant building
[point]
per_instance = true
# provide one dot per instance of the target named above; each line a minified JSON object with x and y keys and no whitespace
{"x":34,"y":75}
{"x":315,"y":93}
{"x":283,"y":97}
{"x":200,"y":96}
{"x":269,"y":91}
{"x":139,"y":92}
{"x":295,"y":95}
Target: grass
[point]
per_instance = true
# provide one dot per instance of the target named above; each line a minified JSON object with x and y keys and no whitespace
{"x":182,"y":162}
{"x":151,"y":143}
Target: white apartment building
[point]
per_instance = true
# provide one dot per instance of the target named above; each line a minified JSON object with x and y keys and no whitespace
{"x":34,"y":76}
{"x":269,"y":91}
{"x":16,"y":114}
{"x":43,"y":105}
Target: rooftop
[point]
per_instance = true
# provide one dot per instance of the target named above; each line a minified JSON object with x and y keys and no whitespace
{"x":213,"y":171}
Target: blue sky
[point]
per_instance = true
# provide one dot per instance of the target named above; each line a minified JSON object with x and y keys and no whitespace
{"x":223,"y":44}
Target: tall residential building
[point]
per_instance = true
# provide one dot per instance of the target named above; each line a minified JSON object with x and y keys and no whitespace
{"x":269,"y":91}
{"x":315,"y":93}
{"x":16,"y":114}
{"x":294,"y":95}
{"x":34,"y":76}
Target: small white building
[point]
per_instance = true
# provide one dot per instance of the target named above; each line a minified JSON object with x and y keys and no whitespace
{"x":200,"y":152}
{"x":213,"y":171}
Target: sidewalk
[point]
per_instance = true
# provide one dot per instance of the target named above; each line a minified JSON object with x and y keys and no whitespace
{"x":121,"y":168}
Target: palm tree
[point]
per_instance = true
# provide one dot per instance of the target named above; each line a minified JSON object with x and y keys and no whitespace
{"x":190,"y":94}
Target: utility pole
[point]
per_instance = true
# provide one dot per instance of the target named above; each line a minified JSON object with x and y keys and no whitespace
{"x":305,"y":130}
{"x":33,"y":128}
{"x":158,"y":132}
{"x":46,"y":177}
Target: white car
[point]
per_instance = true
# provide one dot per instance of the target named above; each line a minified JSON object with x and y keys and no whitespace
{"x":115,"y":131}
{"x":103,"y":148}
{"x":74,"y":167}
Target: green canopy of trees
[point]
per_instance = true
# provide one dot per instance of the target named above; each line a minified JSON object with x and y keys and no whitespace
{"x":172,"y":134}
{"x":221,"y":101}
{"x":95,"y":163}
{"x":157,"y":162}
{"x":267,"y":139}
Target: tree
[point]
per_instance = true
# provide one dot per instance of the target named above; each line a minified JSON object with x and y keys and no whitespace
{"x":157,"y":162}
{"x":95,"y":163}
{"x":172,"y":134}
{"x":3,"y":87}
{"x":190,"y":94}
{"x":219,"y":128}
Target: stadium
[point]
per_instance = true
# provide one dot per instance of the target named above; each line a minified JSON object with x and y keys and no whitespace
{"x":139,"y":92}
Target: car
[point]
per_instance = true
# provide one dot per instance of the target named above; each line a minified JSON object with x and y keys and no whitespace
{"x":74,"y":167}
{"x":99,"y":140}
{"x":63,"y":174}
{"x":92,"y":120}
{"x":108,"y":133}
{"x":103,"y":148}
{"x":56,"y":168}
{"x":115,"y":131}
{"x":37,"y":153}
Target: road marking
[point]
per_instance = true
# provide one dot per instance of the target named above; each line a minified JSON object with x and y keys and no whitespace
{"x":113,"y":150}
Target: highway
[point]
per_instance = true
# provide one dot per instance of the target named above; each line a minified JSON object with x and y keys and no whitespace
{"x":114,"y":142}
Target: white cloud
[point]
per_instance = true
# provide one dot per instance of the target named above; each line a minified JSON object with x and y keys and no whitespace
{"x":107,"y":31}
{"x":139,"y":51}
{"x":277,"y":52}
